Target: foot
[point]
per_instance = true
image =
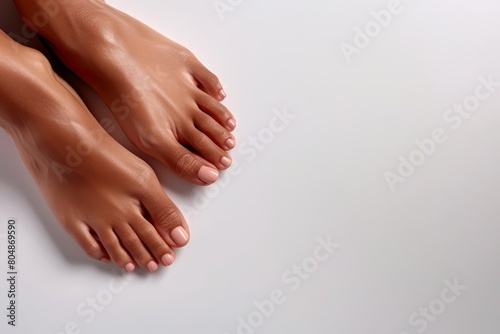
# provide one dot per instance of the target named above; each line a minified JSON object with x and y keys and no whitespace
{"x":165,"y":100}
{"x":106,"y":198}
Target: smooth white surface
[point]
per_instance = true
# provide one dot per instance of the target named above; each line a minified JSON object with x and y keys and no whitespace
{"x":322,"y":176}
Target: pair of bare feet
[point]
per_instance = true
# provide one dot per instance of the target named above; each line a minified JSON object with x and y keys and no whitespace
{"x":165,"y":100}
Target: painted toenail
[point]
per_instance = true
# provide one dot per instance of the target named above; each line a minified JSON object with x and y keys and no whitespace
{"x":222,"y":94}
{"x":105,"y":260}
{"x":232,"y":123}
{"x":208,"y":175}
{"x":129,"y":267}
{"x":226,"y":162}
{"x":152,"y":266}
{"x":180,"y":236}
{"x":230,"y":143}
{"x":167,"y":259}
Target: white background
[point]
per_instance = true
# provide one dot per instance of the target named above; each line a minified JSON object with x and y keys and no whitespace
{"x":322,"y":176}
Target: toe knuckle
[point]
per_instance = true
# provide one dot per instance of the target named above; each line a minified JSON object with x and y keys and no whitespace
{"x":158,"y":247}
{"x":143,"y":257}
{"x":70,"y":224}
{"x":224,"y":110}
{"x":169,"y":218}
{"x":185,"y":55}
{"x":218,"y":132}
{"x":109,"y":245}
{"x":39,"y":61}
{"x":204,"y":121}
{"x":145,"y":177}
{"x":214,"y":80}
{"x":148,"y":142}
{"x":121,"y":260}
{"x":221,"y":133}
{"x":185,"y":164}
{"x":219,"y":108}
{"x":130,"y":241}
{"x":92,"y":251}
{"x":65,"y":224}
{"x":145,"y":229}
{"x":200,"y":140}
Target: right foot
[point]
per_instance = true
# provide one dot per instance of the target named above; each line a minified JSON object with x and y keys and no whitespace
{"x":105,"y":197}
{"x":165,"y":100}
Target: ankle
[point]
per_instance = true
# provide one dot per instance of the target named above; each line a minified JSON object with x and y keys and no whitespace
{"x":56,"y":18}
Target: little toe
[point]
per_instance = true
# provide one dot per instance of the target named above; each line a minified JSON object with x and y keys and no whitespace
{"x":209,"y":81}
{"x":216,"y":110}
{"x":89,"y":244}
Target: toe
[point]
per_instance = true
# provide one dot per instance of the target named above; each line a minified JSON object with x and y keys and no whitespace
{"x":115,"y":250}
{"x":81,"y":233}
{"x":209,"y":81}
{"x":180,"y":160}
{"x":171,"y":226}
{"x":217,"y":111}
{"x":208,"y":149}
{"x":167,"y":218}
{"x":152,"y":240}
{"x":133,"y":244}
{"x":219,"y":135}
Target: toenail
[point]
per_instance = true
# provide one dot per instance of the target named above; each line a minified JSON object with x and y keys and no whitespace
{"x":105,"y":260}
{"x":230,"y":143}
{"x":129,"y":267}
{"x":222,"y":94}
{"x":167,"y":259}
{"x":232,"y":123}
{"x":208,"y":175}
{"x":180,"y":236}
{"x":226,"y":162}
{"x":152,"y":266}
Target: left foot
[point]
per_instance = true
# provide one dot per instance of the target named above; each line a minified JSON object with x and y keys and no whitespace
{"x":165,"y":100}
{"x":106,"y":198}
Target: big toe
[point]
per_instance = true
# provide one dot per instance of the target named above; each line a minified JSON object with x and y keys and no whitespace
{"x":180,"y":160}
{"x":167,"y":219}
